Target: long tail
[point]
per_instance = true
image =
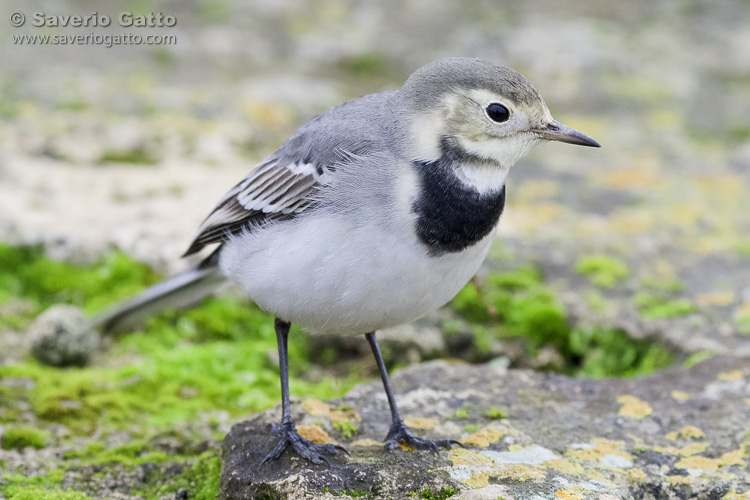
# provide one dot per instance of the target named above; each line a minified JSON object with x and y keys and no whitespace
{"x":181,"y":290}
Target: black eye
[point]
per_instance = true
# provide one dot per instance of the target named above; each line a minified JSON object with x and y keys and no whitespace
{"x":497,"y":112}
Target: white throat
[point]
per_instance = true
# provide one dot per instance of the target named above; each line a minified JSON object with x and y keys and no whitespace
{"x":484,"y":178}
{"x":506,"y":151}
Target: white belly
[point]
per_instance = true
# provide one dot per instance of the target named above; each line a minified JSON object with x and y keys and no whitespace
{"x":333,"y":276}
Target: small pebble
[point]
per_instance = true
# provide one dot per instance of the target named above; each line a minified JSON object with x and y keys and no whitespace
{"x":63,"y":336}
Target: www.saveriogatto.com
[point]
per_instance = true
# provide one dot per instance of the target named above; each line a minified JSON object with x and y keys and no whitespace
{"x":138,"y":22}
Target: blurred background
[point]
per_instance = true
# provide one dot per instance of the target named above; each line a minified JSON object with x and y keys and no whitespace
{"x":609,"y":262}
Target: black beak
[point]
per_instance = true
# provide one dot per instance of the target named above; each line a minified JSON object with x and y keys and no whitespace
{"x":556,"y":131}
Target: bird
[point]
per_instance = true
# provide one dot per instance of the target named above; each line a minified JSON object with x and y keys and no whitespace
{"x":372,"y":214}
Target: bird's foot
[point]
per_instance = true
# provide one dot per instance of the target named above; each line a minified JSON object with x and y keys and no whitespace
{"x":304,"y":448}
{"x":401,"y":435}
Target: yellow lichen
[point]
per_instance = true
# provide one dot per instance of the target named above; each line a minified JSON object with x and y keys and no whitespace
{"x":681,"y":395}
{"x":365,"y":442}
{"x":314,"y":433}
{"x":698,"y":462}
{"x":729,"y":376}
{"x":733,"y":495}
{"x":406,"y":447}
{"x":478,"y":481}
{"x":568,"y":495}
{"x":533,"y":190}
{"x":595,"y":475}
{"x":421,"y":423}
{"x":667,"y":450}
{"x":733,"y":457}
{"x":566,"y":466}
{"x":720,"y":299}
{"x":316,"y":408}
{"x":483,"y":438}
{"x":462,"y":456}
{"x":519,"y":472}
{"x":601,"y":447}
{"x":270,"y":115}
{"x":347,"y":415}
{"x":634,"y":475}
{"x":678,"y":479}
{"x":709,"y":464}
{"x":692,"y":449}
{"x":629,"y":178}
{"x":691,"y":432}
{"x":344,"y":420}
{"x":633,"y":407}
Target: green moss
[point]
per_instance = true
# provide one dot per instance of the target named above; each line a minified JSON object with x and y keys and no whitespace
{"x":518,"y":304}
{"x":370,"y":63}
{"x":128,"y":455}
{"x":18,"y":438}
{"x":175,"y":380}
{"x":469,"y":304}
{"x":596,"y":302}
{"x":697,"y":357}
{"x":443,"y":494}
{"x":72,"y":105}
{"x":602,"y":270}
{"x":28,"y":276}
{"x":355,"y":494}
{"x":462,"y":413}
{"x":742,"y":320}
{"x":655,"y":306}
{"x":495,"y":413}
{"x":743,"y":247}
{"x":182,"y":366}
{"x":605,"y":352}
{"x":40,"y":493}
{"x":200,"y":477}
{"x":526,"y":307}
{"x":739,"y":133}
{"x":662,"y":284}
{"x":211,"y":358}
{"x":347,"y":493}
{"x":345,"y":427}
{"x":137,"y":156}
{"x":215,"y":12}
{"x":45,"y":487}
{"x":9,"y":98}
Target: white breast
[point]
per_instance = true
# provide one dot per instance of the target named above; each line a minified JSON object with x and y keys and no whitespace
{"x":333,"y":275}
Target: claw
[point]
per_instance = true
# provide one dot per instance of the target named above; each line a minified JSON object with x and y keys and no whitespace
{"x":400,"y":434}
{"x":304,"y":448}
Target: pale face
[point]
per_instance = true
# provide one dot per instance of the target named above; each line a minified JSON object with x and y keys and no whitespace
{"x":493,"y":127}
{"x":485,"y":124}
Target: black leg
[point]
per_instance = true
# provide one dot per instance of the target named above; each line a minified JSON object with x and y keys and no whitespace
{"x":287,"y":431}
{"x":399,"y":433}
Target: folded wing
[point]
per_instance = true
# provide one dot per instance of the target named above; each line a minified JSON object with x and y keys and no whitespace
{"x":273,"y":190}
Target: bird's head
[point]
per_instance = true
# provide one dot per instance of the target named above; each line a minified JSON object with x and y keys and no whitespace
{"x":481,"y":109}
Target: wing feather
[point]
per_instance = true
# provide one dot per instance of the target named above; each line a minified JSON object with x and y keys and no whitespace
{"x":272,"y":191}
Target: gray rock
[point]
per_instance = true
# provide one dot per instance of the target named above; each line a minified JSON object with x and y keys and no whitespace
{"x":676,"y":434}
{"x":63,"y":336}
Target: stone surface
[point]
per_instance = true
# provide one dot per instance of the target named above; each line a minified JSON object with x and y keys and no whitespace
{"x":681,"y":433}
{"x":62,"y":336}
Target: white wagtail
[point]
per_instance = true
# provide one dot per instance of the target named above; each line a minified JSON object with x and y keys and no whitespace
{"x":374,"y":213}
